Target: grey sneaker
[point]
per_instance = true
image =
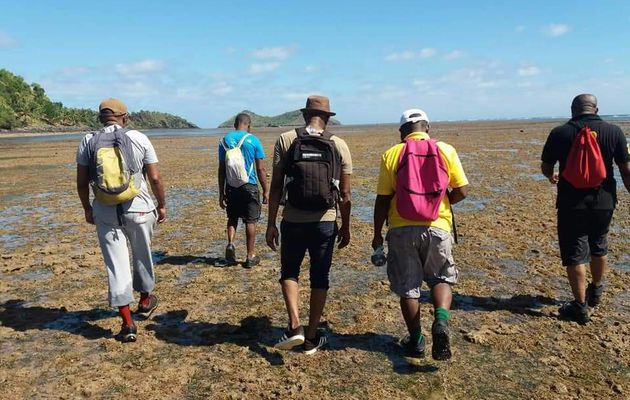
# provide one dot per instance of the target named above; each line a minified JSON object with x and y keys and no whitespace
{"x":441,"y":348}
{"x":290,"y":338}
{"x":312,"y":345}
{"x":250,"y":262}
{"x":594,"y":294}
{"x":575,"y":311}
{"x":146,"y":311}
{"x":412,"y":351}
{"x":230,"y":254}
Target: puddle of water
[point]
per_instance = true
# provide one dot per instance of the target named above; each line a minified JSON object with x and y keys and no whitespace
{"x":31,"y":275}
{"x":471,"y":204}
{"x":512,"y":268}
{"x":187,"y":275}
{"x":181,"y":198}
{"x":12,"y":242}
{"x":500,"y":150}
{"x":538,"y":177}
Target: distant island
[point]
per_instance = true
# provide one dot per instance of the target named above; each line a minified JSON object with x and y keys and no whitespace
{"x":291,"y":118}
{"x":25,"y":107}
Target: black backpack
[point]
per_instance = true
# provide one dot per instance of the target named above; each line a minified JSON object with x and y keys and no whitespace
{"x":313,"y":169}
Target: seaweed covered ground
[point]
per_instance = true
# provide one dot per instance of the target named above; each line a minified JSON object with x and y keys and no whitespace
{"x":213,"y":334}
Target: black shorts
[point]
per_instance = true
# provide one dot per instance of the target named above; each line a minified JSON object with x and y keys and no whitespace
{"x":316,"y":237}
{"x":582,"y":234}
{"x":244,"y":203}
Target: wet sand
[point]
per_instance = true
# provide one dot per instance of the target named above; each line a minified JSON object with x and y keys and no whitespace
{"x":213,"y":333}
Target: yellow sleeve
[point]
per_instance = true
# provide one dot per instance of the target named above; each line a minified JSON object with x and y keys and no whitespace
{"x":456,"y":174}
{"x":386,"y":177}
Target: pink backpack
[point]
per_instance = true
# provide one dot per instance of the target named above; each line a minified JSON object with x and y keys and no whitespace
{"x":421,"y":181}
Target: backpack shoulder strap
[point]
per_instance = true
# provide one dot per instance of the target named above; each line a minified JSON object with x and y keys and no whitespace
{"x":301,"y":132}
{"x":240,"y":142}
{"x":327,"y":135}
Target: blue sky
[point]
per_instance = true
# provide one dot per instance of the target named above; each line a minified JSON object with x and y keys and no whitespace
{"x":208,"y":60}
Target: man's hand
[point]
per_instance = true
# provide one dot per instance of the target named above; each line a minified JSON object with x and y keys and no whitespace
{"x":554,"y":178}
{"x":89,"y":218}
{"x":343,"y":238}
{"x":265,"y":199}
{"x":161,"y":210}
{"x":377,"y":241}
{"x":222,"y":201}
{"x":272,"y":236}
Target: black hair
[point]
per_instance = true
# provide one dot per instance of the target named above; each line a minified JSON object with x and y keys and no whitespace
{"x":243,"y":119}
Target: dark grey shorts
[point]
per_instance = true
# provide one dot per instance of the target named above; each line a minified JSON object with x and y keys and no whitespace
{"x":582,"y":234}
{"x":416,"y":254}
{"x":244,"y":203}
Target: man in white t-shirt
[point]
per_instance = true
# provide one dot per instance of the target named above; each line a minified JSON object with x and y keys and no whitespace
{"x":131,"y":221}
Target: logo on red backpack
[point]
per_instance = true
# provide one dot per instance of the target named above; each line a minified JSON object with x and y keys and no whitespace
{"x":585,"y":168}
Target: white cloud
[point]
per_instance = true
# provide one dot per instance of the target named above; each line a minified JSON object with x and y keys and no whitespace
{"x":555,"y":30}
{"x":528,"y":71}
{"x":141,"y":67}
{"x":410,"y":55}
{"x":426,"y":53}
{"x":311,"y":68}
{"x":261,"y":68}
{"x":454,"y":55}
{"x":273,"y":53}
{"x":222,"y":89}
{"x":7,"y":41}
{"x":73,"y":71}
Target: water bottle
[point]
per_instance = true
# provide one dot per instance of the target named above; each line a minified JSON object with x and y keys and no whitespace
{"x":379,"y":258}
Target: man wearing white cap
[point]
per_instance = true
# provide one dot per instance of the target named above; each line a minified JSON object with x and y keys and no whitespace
{"x":413,"y":196}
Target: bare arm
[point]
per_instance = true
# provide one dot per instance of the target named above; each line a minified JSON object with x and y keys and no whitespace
{"x":221,"y":177}
{"x":345,"y":207}
{"x":547,"y":170}
{"x":458,"y":194}
{"x":261,"y":172}
{"x":275,"y":195}
{"x":153,"y":175}
{"x":83,"y":189}
{"x":624,"y":170}
{"x":381,"y":209}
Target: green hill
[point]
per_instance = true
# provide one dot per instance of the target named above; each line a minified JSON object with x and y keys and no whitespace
{"x":25,"y":106}
{"x":291,"y":118}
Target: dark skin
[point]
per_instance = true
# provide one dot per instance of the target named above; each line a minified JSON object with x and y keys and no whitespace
{"x":152,"y":176}
{"x":317,"y":121}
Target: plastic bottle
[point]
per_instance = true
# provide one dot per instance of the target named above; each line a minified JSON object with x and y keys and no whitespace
{"x":379,"y":258}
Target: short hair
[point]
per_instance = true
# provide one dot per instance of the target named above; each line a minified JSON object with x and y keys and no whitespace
{"x":242,"y":119}
{"x":411,"y":127}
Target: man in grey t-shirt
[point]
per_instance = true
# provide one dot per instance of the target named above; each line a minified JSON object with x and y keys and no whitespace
{"x":132,"y":220}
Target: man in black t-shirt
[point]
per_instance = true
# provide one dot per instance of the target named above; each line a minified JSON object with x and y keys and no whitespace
{"x":584,"y":215}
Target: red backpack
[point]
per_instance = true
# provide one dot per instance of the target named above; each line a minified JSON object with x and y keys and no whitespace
{"x":421,"y":180}
{"x":585,"y":168}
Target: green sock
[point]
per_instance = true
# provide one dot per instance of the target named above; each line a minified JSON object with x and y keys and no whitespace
{"x":441,"y":314}
{"x":416,"y":335}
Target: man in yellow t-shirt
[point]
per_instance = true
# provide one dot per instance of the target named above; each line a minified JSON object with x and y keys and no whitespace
{"x":419,"y":250}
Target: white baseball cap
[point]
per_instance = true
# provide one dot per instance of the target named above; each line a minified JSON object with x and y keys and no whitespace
{"x":413,"y":115}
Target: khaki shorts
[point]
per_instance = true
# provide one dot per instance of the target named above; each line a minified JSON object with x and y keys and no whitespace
{"x":418,"y":253}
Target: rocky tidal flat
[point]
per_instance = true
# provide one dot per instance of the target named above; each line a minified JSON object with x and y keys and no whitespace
{"x":213,"y":334}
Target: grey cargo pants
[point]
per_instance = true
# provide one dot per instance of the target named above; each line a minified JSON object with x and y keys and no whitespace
{"x":137,"y":228}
